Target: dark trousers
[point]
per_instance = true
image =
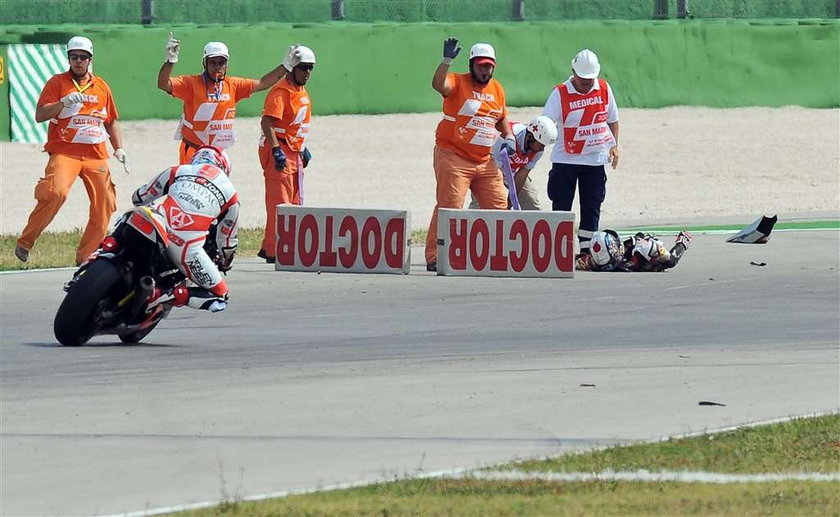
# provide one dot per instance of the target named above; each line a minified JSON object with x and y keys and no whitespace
{"x":592,"y":182}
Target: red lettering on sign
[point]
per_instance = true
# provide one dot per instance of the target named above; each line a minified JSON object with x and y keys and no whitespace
{"x":320,"y":241}
{"x":541,"y":245}
{"x":371,"y":235}
{"x":308,"y":227}
{"x":479,"y":254}
{"x":499,"y":261}
{"x":328,"y":256}
{"x":286,"y":229}
{"x":348,"y":228}
{"x":519,"y":229}
{"x":394,"y":239}
{"x":564,"y":246}
{"x":514,"y":245}
{"x":458,"y":244}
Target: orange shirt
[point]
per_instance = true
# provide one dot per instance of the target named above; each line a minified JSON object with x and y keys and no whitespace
{"x":79,"y":130}
{"x":470,"y":113}
{"x":288,"y":104}
{"x":210,"y":107}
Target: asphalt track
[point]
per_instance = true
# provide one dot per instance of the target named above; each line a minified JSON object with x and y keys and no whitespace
{"x":311,"y":380}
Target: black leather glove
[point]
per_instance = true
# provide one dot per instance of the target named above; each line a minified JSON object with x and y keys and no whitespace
{"x":305,"y":156}
{"x":225,"y":260}
{"x":451,"y":48}
{"x":279,"y":158}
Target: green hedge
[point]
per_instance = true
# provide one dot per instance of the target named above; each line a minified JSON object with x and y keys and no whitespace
{"x":42,"y":12}
{"x":387,"y":68}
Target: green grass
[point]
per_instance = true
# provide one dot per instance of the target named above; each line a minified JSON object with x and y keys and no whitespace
{"x":803,"y":445}
{"x":469,"y":498}
{"x":59,"y":249}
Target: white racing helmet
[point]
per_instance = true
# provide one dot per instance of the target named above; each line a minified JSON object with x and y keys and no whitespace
{"x":586,"y":65}
{"x":215,"y":49}
{"x":606,"y":249}
{"x":80,"y":43}
{"x":306,"y":55}
{"x":212,"y":155}
{"x":483,"y":53}
{"x":544,"y":130}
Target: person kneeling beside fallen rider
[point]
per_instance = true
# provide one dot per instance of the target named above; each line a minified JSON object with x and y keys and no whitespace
{"x":189,"y":200}
{"x":642,"y":252}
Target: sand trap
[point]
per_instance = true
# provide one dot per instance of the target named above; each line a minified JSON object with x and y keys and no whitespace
{"x":678,"y":165}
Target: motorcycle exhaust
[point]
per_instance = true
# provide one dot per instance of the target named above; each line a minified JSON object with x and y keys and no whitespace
{"x":146,"y":285}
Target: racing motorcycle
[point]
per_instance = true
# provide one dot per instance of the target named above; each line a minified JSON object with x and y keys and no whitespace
{"x":109,"y":292}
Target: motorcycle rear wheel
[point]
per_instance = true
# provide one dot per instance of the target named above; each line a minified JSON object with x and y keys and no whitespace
{"x":74,"y":322}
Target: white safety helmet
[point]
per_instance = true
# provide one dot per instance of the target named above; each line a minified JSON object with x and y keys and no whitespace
{"x":483,"y":53}
{"x":306,"y":55}
{"x":80,"y":43}
{"x":215,"y":49}
{"x":586,"y":65}
{"x":544,"y":130}
{"x":212,"y":155}
{"x":606,"y":249}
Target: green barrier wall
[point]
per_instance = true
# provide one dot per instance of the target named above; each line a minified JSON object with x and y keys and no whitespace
{"x":5,"y":111}
{"x":42,"y":12}
{"x":387,"y":68}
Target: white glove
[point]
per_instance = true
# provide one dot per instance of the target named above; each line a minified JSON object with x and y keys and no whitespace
{"x":173,"y":49}
{"x":72,"y":99}
{"x":292,"y":58}
{"x":119,"y":154}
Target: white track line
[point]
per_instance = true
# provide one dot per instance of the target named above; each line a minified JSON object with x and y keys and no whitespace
{"x":644,"y":476}
{"x":466,"y":472}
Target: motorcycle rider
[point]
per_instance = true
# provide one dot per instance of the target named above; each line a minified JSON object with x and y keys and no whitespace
{"x":641,"y":252}
{"x":188,"y":200}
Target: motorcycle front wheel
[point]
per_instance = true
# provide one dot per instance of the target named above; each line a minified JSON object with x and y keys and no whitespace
{"x":77,"y":318}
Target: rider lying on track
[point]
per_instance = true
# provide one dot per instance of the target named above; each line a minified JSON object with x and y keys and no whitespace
{"x":641,"y":252}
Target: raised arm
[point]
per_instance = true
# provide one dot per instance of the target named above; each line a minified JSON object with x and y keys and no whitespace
{"x":290,"y":60}
{"x":270,"y":79}
{"x":173,"y":51}
{"x":450,"y":52}
{"x":164,"y":81}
